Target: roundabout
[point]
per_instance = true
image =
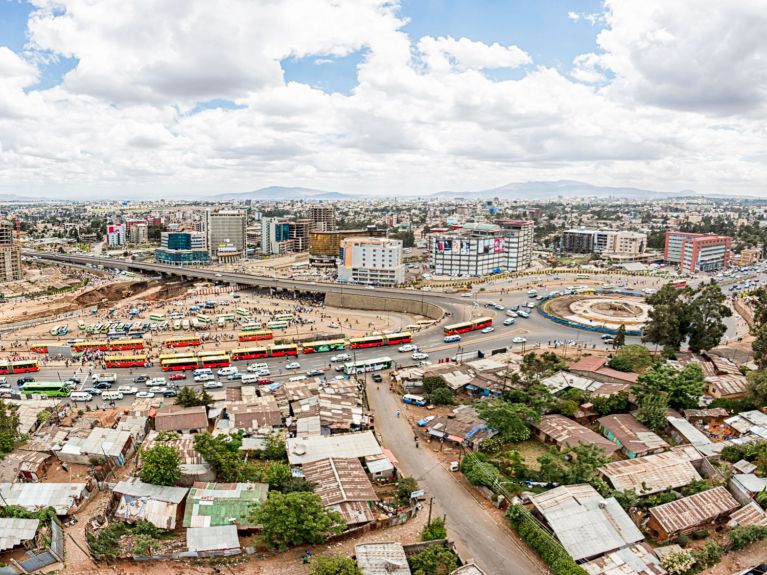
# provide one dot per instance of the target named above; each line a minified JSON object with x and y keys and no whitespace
{"x":595,"y":311}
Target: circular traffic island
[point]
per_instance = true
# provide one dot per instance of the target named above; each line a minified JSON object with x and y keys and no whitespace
{"x":607,"y":311}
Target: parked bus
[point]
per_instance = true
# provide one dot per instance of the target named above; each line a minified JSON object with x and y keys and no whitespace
{"x":41,"y":348}
{"x":203,"y":319}
{"x":369,"y":341}
{"x":126,"y":344}
{"x":473,"y":325}
{"x":251,"y":327}
{"x":83,"y":346}
{"x":180,"y":355}
{"x":249,"y":353}
{"x":212,"y":361}
{"x":186,"y":341}
{"x":399,"y":338}
{"x":124,"y":361}
{"x":283,"y":350}
{"x":19,"y":366}
{"x":321,"y":346}
{"x":179,"y":364}
{"x":225,"y":318}
{"x":368,"y":365}
{"x":49,"y":388}
{"x":285,"y":317}
{"x":277,"y":325}
{"x":255,"y":335}
{"x":242,"y":312}
{"x":157,"y":317}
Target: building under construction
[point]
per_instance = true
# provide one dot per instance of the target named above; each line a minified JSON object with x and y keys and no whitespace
{"x":10,"y":254}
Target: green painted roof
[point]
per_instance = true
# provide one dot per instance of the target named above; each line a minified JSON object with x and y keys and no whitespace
{"x":213,"y":504}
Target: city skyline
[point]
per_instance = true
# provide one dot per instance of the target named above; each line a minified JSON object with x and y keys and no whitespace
{"x":378,"y":98}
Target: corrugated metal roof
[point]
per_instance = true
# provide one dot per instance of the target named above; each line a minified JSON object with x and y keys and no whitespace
{"x":219,"y":538}
{"x":213,"y":504}
{"x":339,"y":479}
{"x":567,"y":432}
{"x":750,"y":482}
{"x":382,"y":559}
{"x":563,"y":380}
{"x":687,"y":430}
{"x":750,"y":514}
{"x":305,"y":449}
{"x":468,"y":569}
{"x":725,"y":385}
{"x":654,"y":473}
{"x":137,"y":488}
{"x":694,"y":510}
{"x":632,"y":435}
{"x":586,"y":524}
{"x":13,"y":531}
{"x":637,"y":559}
{"x":35,"y":496}
{"x":176,"y":418}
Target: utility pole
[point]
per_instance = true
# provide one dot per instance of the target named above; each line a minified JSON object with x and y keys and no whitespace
{"x":431,"y":501}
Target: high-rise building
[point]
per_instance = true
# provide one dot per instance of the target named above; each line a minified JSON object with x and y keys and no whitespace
{"x":324,"y":246}
{"x":115,"y":235}
{"x":226,"y":234}
{"x":283,"y":235}
{"x":697,"y":252}
{"x":182,"y":248}
{"x":373,"y":261}
{"x":138,"y":233}
{"x":625,"y":244}
{"x":477,"y":249}
{"x":10,"y":254}
{"x":322,"y":217}
{"x":579,"y":241}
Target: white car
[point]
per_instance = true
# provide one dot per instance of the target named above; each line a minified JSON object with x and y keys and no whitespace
{"x":127,"y":390}
{"x":509,"y":321}
{"x":160,"y":390}
{"x":518,"y":340}
{"x":530,"y":304}
{"x":340,"y":357}
{"x":511,"y":313}
{"x":141,"y":394}
{"x":490,"y":329}
{"x":212,"y":385}
{"x":256,"y":367}
{"x":420,"y":355}
{"x":155,"y":381}
{"x":293,"y":365}
{"x":219,"y":275}
{"x":227,"y":370}
{"x":333,"y":325}
{"x":203,"y":377}
{"x":467,"y":294}
{"x":406,"y":348}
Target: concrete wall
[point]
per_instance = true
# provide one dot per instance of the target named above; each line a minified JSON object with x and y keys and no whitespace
{"x":375,"y":302}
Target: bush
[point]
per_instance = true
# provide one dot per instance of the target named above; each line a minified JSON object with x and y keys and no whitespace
{"x":710,"y":555}
{"x":678,"y":563}
{"x":335,"y":566}
{"x":700,"y":534}
{"x":434,"y":560}
{"x":405,"y":487}
{"x":744,"y":535}
{"x":441,"y":396}
{"x":434,"y":530}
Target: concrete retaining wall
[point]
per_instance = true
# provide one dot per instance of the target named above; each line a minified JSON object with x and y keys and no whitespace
{"x":375,"y":302}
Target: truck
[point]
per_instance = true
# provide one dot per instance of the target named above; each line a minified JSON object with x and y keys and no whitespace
{"x":104,"y":377}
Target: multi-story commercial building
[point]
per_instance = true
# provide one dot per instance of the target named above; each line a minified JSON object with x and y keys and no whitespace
{"x":697,"y":252}
{"x":477,"y":249}
{"x":373,"y":261}
{"x":182,"y":248}
{"x":322,"y":217}
{"x":324,"y":246}
{"x":283,"y":235}
{"x":10,"y":254}
{"x":618,"y":243}
{"x":578,"y":241}
{"x":226,"y":233}
{"x":115,"y":235}
{"x":138,"y":233}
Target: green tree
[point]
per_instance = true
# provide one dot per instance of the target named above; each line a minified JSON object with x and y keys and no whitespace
{"x":9,"y":425}
{"x":434,"y":560}
{"x":480,"y":472}
{"x":652,"y":410}
{"x":160,"y":465}
{"x":706,"y":314}
{"x":274,"y":448}
{"x":434,"y":530}
{"x":335,"y":566}
{"x":620,"y":336}
{"x":187,"y":397}
{"x":632,"y":357}
{"x":759,"y":346}
{"x":683,"y":388}
{"x":616,"y":403}
{"x":298,"y":518}
{"x":441,"y":396}
{"x":585,"y":459}
{"x":667,"y":324}
{"x":757,"y":387}
{"x":552,"y":466}
{"x":758,"y":300}
{"x":278,"y":475}
{"x":433,"y":382}
{"x":405,"y":487}
{"x":510,"y":420}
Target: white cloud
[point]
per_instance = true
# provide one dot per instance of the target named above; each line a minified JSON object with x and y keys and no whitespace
{"x":657,"y":105}
{"x":574,"y":16}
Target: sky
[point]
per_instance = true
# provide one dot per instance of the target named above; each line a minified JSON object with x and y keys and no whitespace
{"x":191,"y":98}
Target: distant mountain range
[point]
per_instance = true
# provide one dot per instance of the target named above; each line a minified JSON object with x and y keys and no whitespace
{"x":514,"y":191}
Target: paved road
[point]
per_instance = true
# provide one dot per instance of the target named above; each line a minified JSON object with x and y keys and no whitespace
{"x":478,"y":535}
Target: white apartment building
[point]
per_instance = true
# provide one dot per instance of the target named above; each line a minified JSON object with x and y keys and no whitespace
{"x":373,"y":261}
{"x":115,"y":235}
{"x":226,"y":230}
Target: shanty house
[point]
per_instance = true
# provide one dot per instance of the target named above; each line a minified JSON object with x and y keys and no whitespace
{"x":182,"y":419}
{"x":691,"y":513}
{"x":160,"y":505}
{"x":382,"y":559}
{"x":63,"y":497}
{"x":303,"y":450}
{"x":343,"y":486}
{"x":565,"y":433}
{"x":654,"y":473}
{"x":214,"y":504}
{"x":632,"y":437}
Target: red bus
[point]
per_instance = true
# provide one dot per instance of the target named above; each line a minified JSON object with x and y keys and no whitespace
{"x":283,"y":350}
{"x":211,"y":361}
{"x":255,"y":335}
{"x":125,"y":361}
{"x":680,"y":284}
{"x":249,"y":353}
{"x":42,"y":348}
{"x":399,"y":338}
{"x":82,"y":346}
{"x":126,"y":344}
{"x":179,"y":364}
{"x":473,"y":325}
{"x":182,"y":341}
{"x":19,"y":366}
{"x":369,"y":341}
